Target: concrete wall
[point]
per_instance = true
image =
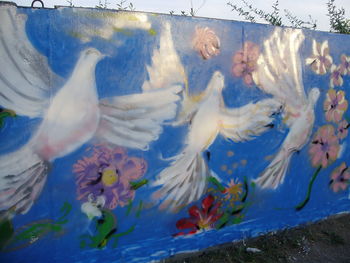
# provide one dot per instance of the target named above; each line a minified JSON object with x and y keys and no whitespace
{"x":130,"y":137}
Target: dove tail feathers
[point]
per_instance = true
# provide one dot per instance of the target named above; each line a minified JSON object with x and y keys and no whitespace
{"x":22,"y":177}
{"x":274,"y":174}
{"x":183,"y":182}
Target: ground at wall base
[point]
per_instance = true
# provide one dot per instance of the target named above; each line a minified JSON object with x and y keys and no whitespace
{"x":327,"y":241}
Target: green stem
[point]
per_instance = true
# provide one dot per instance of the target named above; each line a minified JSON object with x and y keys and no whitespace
{"x":347,"y":119}
{"x":245,"y":183}
{"x":216,"y":183}
{"x":306,"y":200}
{"x":139,"y":209}
{"x":65,"y":210}
{"x":137,"y":184}
{"x":129,"y":207}
{"x":117,"y":236}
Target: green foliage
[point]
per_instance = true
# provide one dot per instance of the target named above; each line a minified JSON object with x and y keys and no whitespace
{"x":337,"y":20}
{"x":24,"y":236}
{"x":192,"y":11}
{"x":250,"y":13}
{"x":70,"y":2}
{"x":102,"y":4}
{"x":298,"y":23}
{"x":123,"y":5}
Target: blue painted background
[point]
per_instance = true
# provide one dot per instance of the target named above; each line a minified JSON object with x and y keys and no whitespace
{"x":123,"y":72}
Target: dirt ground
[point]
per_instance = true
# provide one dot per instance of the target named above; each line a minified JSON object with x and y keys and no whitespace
{"x":326,"y":241}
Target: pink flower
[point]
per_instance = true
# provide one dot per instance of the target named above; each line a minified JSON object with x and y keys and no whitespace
{"x":335,"y":105}
{"x":244,"y":62}
{"x":345,"y":65}
{"x":343,"y":127}
{"x":108,"y":173}
{"x":324,"y":148}
{"x":340,"y":178}
{"x":336,"y":78}
{"x":206,"y":42}
{"x":320,"y":59}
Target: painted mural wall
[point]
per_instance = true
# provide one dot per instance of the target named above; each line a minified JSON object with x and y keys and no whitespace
{"x":131,"y":137}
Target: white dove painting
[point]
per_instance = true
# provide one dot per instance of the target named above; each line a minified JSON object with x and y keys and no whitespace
{"x":279,"y":73}
{"x":185,"y":180}
{"x":132,"y":136}
{"x":72,"y":116}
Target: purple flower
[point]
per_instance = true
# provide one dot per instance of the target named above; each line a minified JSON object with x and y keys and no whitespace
{"x":336,"y":78}
{"x":345,"y":65}
{"x":325,"y":147}
{"x":340,"y":178}
{"x":244,"y":62}
{"x":108,"y":173}
{"x":343,"y":127}
{"x":335,"y":105}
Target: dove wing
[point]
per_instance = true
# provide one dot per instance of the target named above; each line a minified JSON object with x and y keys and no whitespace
{"x":279,"y":70}
{"x":25,"y":75}
{"x":136,"y":120}
{"x":166,"y":69}
{"x":247,"y":122}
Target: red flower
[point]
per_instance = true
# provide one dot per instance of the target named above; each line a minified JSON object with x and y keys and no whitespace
{"x":200,"y":219}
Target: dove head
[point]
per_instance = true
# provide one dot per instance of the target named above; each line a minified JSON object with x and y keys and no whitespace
{"x":92,"y":55}
{"x":314,"y":94}
{"x":217,"y":81}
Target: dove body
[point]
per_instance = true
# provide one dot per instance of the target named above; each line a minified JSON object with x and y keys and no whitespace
{"x":204,"y":126}
{"x":280,"y":74}
{"x":73,"y":115}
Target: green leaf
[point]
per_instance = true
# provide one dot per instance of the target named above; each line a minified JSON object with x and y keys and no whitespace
{"x":236,"y":220}
{"x":138,"y":184}
{"x":65,"y":210}
{"x":214,"y":181}
{"x":6,"y":230}
{"x":223,"y":220}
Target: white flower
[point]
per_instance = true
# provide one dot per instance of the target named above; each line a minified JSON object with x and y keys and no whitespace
{"x":320,"y":60}
{"x":92,"y":207}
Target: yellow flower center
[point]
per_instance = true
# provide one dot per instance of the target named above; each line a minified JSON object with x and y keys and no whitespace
{"x":233,"y":192}
{"x":109,"y":177}
{"x":204,"y":223}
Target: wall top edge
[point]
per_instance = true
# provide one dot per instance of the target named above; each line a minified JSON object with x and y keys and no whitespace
{"x":9,"y":3}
